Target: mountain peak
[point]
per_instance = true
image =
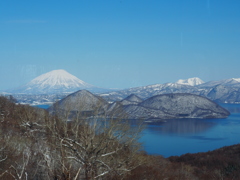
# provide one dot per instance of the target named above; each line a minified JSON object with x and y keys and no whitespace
{"x":58,"y":77}
{"x":133,"y":98}
{"x":190,"y":81}
{"x":56,"y":81}
{"x":81,"y":100}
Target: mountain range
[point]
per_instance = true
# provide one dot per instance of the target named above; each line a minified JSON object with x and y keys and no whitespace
{"x":63,"y":83}
{"x":223,"y":91}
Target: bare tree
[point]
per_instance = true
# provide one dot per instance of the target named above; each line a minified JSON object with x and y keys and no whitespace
{"x":3,"y":154}
{"x":82,"y":143}
{"x":22,"y":135}
{"x":94,"y":147}
{"x":19,"y":170}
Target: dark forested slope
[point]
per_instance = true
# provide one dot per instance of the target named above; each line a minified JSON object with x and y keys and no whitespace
{"x":223,"y":163}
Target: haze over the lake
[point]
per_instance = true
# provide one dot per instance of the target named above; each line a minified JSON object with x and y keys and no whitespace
{"x":119,"y":43}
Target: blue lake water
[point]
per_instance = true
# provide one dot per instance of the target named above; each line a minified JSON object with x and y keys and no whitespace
{"x":176,"y":137}
{"x":180,"y":136}
{"x":43,"y":106}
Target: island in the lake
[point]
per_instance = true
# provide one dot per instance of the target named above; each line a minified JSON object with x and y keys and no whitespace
{"x":156,"y":108}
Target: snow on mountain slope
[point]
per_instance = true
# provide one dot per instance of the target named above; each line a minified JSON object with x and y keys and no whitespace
{"x":191,"y":81}
{"x":81,"y":100}
{"x":56,"y":81}
{"x":236,"y":79}
{"x":233,"y":82}
{"x":169,"y":106}
{"x":58,"y":78}
{"x":148,"y":91}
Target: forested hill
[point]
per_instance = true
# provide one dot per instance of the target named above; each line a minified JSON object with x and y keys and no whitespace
{"x":35,"y":145}
{"x":223,"y":163}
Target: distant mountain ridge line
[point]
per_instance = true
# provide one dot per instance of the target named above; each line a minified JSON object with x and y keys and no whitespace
{"x":223,"y":91}
{"x":62,"y":82}
{"x":60,"y":78}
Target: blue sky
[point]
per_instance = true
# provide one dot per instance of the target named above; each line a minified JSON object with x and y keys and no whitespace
{"x":119,"y":43}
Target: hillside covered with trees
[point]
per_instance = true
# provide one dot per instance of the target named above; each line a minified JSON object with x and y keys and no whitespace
{"x":38,"y":145}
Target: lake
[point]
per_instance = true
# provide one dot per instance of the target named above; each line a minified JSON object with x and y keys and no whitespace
{"x":176,"y":137}
{"x":43,"y":106}
{"x":180,"y":136}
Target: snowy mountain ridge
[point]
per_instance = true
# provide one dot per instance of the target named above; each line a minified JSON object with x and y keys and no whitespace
{"x":236,"y":79}
{"x":190,"y":81}
{"x":222,"y":91}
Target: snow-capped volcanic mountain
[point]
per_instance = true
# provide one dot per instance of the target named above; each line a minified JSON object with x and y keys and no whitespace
{"x":191,"y":81}
{"x":56,"y":81}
